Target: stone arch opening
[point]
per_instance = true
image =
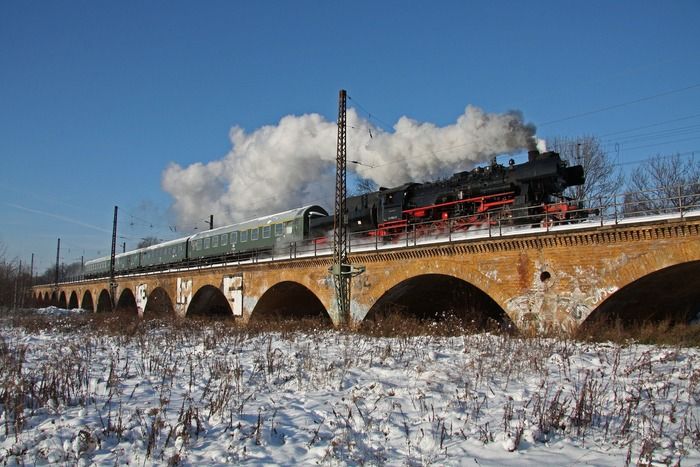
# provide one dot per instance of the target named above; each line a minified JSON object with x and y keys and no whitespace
{"x":127,"y":302}
{"x":669,"y":294}
{"x":438,"y":297}
{"x":209,"y":302}
{"x":158,"y":304}
{"x":104,"y":302}
{"x":86,"y":303}
{"x":73,"y":301}
{"x":289,"y":301}
{"x":62,"y":302}
{"x":47,"y":299}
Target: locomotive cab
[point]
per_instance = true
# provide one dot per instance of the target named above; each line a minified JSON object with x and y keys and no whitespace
{"x":392,"y":203}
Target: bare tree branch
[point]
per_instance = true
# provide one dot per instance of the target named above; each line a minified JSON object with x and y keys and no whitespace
{"x":663,"y":184}
{"x":148,"y":241}
{"x":603,"y":178}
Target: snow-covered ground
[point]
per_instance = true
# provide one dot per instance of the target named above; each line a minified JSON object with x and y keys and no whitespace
{"x":214,"y":395}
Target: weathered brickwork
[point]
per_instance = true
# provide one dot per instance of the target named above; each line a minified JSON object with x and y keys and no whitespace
{"x":553,"y":279}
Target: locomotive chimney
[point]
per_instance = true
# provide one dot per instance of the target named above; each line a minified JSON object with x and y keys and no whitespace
{"x":532,"y":155}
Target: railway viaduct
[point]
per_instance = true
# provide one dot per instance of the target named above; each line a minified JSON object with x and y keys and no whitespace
{"x":537,"y":279}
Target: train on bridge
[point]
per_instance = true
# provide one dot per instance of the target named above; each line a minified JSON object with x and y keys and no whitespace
{"x":528,"y":193}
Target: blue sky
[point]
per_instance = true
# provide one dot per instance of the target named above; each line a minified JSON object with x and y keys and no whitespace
{"x":98,"y":98}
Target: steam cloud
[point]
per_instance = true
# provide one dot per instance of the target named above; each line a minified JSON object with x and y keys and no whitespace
{"x":292,"y":164}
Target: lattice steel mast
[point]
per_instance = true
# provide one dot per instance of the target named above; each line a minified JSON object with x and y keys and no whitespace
{"x":342,"y":270}
{"x":112,"y":282}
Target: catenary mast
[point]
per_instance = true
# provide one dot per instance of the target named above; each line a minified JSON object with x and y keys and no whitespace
{"x":342,"y":270}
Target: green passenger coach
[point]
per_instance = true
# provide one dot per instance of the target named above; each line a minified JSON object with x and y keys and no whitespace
{"x":174,"y":251}
{"x":275,"y":232}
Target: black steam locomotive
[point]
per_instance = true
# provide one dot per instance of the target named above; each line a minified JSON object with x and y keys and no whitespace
{"x":527,"y":193}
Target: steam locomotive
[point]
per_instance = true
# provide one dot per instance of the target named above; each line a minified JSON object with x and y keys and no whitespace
{"x":531,"y":192}
{"x":527,"y":193}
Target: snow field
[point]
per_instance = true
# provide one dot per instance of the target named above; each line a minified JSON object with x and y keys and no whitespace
{"x":212,"y":394}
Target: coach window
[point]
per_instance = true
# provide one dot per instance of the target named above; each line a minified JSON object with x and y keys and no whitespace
{"x":224,"y":239}
{"x":234,"y":237}
{"x":207,"y":243}
{"x":289,"y":227}
{"x":254,"y":233}
{"x":244,"y":236}
{"x":267,"y":231}
{"x":215,"y":241}
{"x":279,"y":230}
{"x":197,"y":245}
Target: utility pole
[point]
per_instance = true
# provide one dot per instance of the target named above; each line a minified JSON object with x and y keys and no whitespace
{"x":112,"y":283}
{"x":341,"y":270}
{"x":17,"y":285}
{"x":58,"y":252}
{"x":21,"y":285}
{"x":211,"y":222}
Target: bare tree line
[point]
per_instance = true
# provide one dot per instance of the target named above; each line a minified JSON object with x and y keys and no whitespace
{"x":15,"y":281}
{"x":659,"y":185}
{"x":17,"y":278}
{"x":663,"y":184}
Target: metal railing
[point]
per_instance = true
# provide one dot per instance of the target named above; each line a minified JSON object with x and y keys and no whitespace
{"x":676,"y":202}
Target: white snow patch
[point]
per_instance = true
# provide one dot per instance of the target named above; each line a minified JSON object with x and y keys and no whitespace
{"x":217,"y":396}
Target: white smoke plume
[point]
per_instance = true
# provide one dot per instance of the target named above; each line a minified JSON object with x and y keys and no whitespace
{"x":292,"y":164}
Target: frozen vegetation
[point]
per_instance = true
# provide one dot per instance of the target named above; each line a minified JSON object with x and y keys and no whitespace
{"x":164,"y":392}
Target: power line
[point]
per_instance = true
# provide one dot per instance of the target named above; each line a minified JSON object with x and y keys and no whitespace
{"x":369,"y":114}
{"x":661,"y":144}
{"x":650,"y":125}
{"x":671,"y":136}
{"x":622,"y":104}
{"x":649,"y":159}
{"x":648,"y":138}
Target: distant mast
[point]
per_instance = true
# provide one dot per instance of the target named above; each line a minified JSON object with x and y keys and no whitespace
{"x":112,"y":283}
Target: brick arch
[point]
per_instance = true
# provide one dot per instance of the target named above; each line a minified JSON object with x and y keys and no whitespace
{"x":104,"y":301}
{"x":209,"y":301}
{"x":626,"y":268}
{"x":669,"y":246}
{"x":127,"y":301}
{"x":289,"y":300}
{"x":437,"y":297}
{"x":73,"y":300}
{"x":316,"y":280}
{"x":62,"y":301}
{"x":669,"y":292}
{"x":87,"y":303}
{"x":159,"y":303}
{"x":382,"y":280}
